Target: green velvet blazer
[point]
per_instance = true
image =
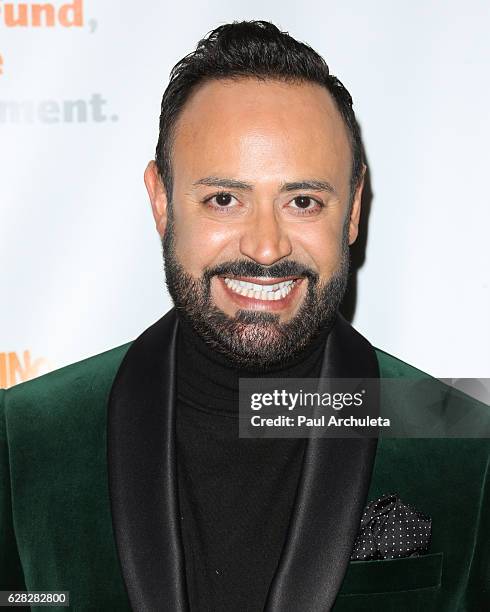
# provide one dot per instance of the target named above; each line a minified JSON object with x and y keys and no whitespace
{"x":89,"y":501}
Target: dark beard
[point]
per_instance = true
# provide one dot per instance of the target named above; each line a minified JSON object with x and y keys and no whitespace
{"x":254,"y":340}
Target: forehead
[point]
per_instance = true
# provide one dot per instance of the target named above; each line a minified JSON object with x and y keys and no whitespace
{"x":257,"y":127}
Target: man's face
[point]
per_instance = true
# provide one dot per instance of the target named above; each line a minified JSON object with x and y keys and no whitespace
{"x":256,"y":236}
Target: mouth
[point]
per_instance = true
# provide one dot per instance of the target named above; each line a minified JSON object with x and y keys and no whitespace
{"x":265,"y":293}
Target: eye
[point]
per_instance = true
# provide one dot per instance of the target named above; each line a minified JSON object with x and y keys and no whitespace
{"x":306,"y":205}
{"x":222,"y":199}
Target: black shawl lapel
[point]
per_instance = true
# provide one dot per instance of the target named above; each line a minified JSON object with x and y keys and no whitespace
{"x":142,"y":468}
{"x":142,"y":471}
{"x":331,"y":495}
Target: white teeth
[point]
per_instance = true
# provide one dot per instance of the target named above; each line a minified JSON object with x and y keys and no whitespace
{"x":260,"y":292}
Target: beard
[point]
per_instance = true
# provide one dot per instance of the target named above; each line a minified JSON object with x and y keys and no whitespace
{"x":254,"y":340}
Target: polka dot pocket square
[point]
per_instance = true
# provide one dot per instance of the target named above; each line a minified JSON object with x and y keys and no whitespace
{"x":390,"y":529}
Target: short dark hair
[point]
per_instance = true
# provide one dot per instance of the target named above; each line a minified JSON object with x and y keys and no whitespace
{"x":255,"y":49}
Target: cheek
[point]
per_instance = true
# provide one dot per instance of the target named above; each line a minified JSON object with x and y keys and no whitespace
{"x":323,"y":245}
{"x":202,"y":243}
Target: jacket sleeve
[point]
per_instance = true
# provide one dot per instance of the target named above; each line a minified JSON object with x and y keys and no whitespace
{"x":11,"y":574}
{"x":478,"y":592}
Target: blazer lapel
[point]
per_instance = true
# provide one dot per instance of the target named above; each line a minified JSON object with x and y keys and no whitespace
{"x":143,"y":491}
{"x":331,"y":495}
{"x":141,"y":461}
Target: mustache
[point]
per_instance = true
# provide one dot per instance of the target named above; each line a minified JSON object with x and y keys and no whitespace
{"x":244,"y":267}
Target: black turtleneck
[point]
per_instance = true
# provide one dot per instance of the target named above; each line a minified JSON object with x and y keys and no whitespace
{"x":235,"y":494}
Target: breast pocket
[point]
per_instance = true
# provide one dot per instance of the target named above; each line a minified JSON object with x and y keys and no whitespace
{"x":410,"y":584}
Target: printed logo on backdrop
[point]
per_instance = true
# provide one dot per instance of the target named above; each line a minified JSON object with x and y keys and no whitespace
{"x":24,"y":17}
{"x":46,"y":14}
{"x":19,"y":367}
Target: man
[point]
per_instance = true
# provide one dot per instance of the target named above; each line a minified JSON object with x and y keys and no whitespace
{"x":123,"y":477}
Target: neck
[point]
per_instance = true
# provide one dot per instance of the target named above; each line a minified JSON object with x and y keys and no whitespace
{"x":209,"y":380}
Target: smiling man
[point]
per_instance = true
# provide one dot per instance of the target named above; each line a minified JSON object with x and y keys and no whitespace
{"x":256,"y":204}
{"x":123,"y":479}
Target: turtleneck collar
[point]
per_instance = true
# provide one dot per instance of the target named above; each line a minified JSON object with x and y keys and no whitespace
{"x":208,"y":380}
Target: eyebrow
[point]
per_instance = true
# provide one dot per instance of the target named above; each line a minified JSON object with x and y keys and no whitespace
{"x":306,"y":185}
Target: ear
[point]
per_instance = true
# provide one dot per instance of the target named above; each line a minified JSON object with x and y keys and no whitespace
{"x":158,"y":196}
{"x":355,"y":213}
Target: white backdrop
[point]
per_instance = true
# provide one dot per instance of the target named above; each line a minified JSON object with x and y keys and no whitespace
{"x":79,"y":102}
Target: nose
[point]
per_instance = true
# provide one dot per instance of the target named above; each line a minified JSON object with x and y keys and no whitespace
{"x":264,"y":240}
